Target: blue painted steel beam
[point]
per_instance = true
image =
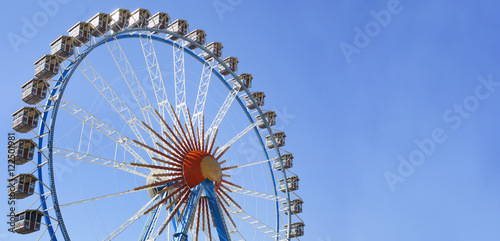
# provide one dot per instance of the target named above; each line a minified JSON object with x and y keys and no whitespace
{"x":187,"y":217}
{"x":216,"y":211}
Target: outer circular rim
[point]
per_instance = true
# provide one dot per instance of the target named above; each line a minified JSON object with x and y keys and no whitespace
{"x":59,"y":88}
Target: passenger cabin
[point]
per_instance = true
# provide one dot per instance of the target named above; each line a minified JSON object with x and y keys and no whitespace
{"x":199,"y":36}
{"x":62,"y":47}
{"x":269,"y":116}
{"x":34,"y":91}
{"x":215,"y":48}
{"x":119,"y":19}
{"x":232,"y":64}
{"x":25,"y":119}
{"x":293,"y":184}
{"x":47,"y":67}
{"x":99,"y":24}
{"x":179,"y":27}
{"x":24,"y":149}
{"x":159,"y":20}
{"x":259,"y":100}
{"x":21,"y":186}
{"x":139,"y":18}
{"x":295,"y":206}
{"x":279,"y":137}
{"x":297,"y":230}
{"x":246,"y":79}
{"x":28,"y":221}
{"x":287,"y":161}
{"x":80,"y":33}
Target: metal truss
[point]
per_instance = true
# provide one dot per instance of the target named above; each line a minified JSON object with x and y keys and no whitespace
{"x":101,"y":126}
{"x":156,"y":76}
{"x":237,"y":137}
{"x":114,"y":100}
{"x":95,"y":160}
{"x":222,"y":112}
{"x":136,"y":216}
{"x":180,"y":79}
{"x":201,"y":97}
{"x":129,"y":76}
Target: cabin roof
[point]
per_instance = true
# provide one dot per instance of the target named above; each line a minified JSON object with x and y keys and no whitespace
{"x":31,"y":210}
{"x":60,"y":37}
{"x":34,"y":79}
{"x":22,"y":174}
{"x":43,"y":57}
{"x":32,"y":108}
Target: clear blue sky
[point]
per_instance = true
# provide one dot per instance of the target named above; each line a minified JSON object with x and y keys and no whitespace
{"x":392,"y":105}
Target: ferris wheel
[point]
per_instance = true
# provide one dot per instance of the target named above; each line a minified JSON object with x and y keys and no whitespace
{"x":134,"y":143}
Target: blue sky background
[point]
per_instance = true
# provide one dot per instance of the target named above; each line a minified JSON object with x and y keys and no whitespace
{"x":350,"y":117}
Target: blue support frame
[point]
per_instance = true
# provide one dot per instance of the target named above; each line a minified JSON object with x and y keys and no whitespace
{"x":187,"y":218}
{"x":215,"y":210}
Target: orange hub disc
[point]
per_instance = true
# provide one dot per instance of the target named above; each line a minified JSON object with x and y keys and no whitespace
{"x":198,"y":166}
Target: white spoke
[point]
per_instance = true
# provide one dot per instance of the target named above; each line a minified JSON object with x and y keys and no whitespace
{"x":96,"y":160}
{"x":237,"y":137}
{"x":131,"y":220}
{"x":201,"y":97}
{"x":156,"y":76}
{"x":180,"y":79}
{"x":153,"y":223}
{"x":101,"y":126}
{"x":222,"y":112}
{"x":96,"y":198}
{"x":129,"y":76}
{"x":256,"y":194}
{"x":254,"y":222}
{"x":120,"y":107}
{"x":253,"y":163}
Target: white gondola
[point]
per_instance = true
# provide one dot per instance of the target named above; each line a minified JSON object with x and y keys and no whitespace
{"x":47,"y":66}
{"x":21,"y":186}
{"x":259,"y":99}
{"x":23,"y":151}
{"x":34,"y":91}
{"x":139,"y":18}
{"x":80,"y":33}
{"x":119,"y":19}
{"x":25,"y":119}
{"x":279,"y":137}
{"x":62,"y":47}
{"x":215,"y":48}
{"x":295,"y":206}
{"x":286,"y":159}
{"x":99,"y":24}
{"x":199,"y":36}
{"x":179,"y":26}
{"x":232,"y":64}
{"x":159,"y":20}
{"x":246,"y":79}
{"x":297,"y":230}
{"x":293,"y":184}
{"x":269,"y":116}
{"x":28,"y":221}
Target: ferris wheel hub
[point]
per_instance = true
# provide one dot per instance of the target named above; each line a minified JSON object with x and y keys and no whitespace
{"x":200,"y":165}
